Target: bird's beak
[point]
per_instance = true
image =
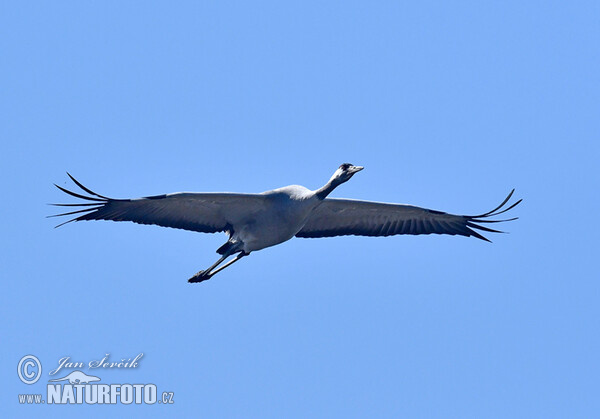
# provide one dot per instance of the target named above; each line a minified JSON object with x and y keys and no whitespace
{"x":355,"y":169}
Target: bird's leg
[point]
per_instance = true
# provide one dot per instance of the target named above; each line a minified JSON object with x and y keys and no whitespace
{"x":205,"y":274}
{"x":208,"y":273}
{"x":231,"y":262}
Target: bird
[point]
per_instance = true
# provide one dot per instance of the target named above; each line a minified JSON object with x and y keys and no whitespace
{"x":261,"y":220}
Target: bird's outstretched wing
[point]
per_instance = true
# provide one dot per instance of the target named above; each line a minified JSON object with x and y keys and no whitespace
{"x":202,"y":212}
{"x":342,"y":217}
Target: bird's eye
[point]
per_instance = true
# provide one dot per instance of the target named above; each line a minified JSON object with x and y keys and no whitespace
{"x":345,"y":166}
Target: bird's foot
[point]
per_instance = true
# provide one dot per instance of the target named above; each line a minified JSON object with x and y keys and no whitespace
{"x":199,"y":277}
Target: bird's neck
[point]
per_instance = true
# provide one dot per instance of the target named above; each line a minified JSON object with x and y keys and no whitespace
{"x":326,"y":189}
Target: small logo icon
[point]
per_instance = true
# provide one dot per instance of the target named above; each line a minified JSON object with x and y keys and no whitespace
{"x":26,"y":374}
{"x":78,"y":377}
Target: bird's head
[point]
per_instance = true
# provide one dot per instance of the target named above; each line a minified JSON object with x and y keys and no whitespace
{"x":345,"y":172}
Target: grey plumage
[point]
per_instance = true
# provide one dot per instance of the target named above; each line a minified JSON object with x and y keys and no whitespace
{"x":257,"y":221}
{"x":342,"y":217}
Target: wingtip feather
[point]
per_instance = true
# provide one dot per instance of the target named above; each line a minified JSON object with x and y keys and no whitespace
{"x":86,"y":189}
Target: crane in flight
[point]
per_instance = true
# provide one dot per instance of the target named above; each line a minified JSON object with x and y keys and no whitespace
{"x":258,"y":221}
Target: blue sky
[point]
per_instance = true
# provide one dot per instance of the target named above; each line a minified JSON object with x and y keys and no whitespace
{"x":447,"y":105}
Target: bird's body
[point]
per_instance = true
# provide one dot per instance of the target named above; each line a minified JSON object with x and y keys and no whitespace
{"x":286,"y":211}
{"x":258,"y":221}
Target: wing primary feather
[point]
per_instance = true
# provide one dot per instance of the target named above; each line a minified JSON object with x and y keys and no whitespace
{"x":494,"y":221}
{"x":76,"y":195}
{"x":490,"y":230}
{"x":66,"y":222}
{"x":476,"y":234}
{"x":75,"y":205}
{"x":507,"y":209}
{"x":73,"y":212}
{"x":86,"y":189}
{"x":497,"y":208}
